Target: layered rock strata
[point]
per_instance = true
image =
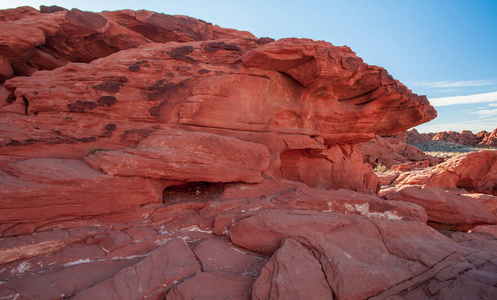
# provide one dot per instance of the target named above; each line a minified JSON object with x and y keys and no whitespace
{"x":147,"y":156}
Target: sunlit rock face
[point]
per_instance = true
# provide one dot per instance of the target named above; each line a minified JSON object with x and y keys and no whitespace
{"x":148,"y":156}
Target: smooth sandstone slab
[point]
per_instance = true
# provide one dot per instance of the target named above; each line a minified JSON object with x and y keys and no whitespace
{"x":283,"y":276}
{"x":149,"y":278}
{"x":46,"y":188}
{"x":446,"y":208}
{"x":360,"y":257}
{"x":189,"y":156}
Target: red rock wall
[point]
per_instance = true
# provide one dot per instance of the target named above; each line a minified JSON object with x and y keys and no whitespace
{"x":147,"y":96}
{"x":153,"y":156}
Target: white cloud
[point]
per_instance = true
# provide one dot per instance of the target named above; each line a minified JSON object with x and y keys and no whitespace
{"x":485,"y":113}
{"x":492,"y":104}
{"x":455,"y":84}
{"x":474,"y":126}
{"x":477,"y":98}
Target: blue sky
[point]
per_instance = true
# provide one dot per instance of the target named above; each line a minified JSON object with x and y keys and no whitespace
{"x":445,"y":49}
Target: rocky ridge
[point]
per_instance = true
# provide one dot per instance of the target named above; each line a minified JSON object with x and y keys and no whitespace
{"x":482,"y":139}
{"x":148,"y":156}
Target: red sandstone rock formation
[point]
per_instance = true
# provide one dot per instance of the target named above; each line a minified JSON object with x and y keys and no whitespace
{"x":147,"y":156}
{"x":475,"y":172}
{"x":466,"y":137}
{"x":488,"y":138}
{"x":392,"y":150}
{"x":438,"y":189}
{"x":413,"y":137}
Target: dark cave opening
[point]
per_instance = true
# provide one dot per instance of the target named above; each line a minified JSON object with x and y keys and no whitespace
{"x":192,"y":192}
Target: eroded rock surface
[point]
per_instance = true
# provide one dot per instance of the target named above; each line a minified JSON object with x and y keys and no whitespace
{"x":475,"y":172}
{"x":393,"y":150}
{"x":148,"y":156}
{"x":482,"y":139}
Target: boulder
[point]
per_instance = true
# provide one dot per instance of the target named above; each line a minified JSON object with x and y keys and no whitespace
{"x":186,"y":156}
{"x":392,"y":150}
{"x":489,"y":139}
{"x":488,"y":201}
{"x":292,"y":273}
{"x":445,"y":209}
{"x":475,"y":172}
{"x":239,"y":201}
{"x":258,"y":104}
{"x":28,"y":189}
{"x":149,"y":278}
{"x":360,"y":257}
{"x":340,"y":166}
{"x":482,"y":139}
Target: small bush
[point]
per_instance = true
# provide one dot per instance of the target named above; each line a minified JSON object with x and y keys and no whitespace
{"x":380,"y":168}
{"x":95,"y":150}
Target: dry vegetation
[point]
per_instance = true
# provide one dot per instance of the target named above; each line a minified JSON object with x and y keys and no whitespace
{"x":446,"y":149}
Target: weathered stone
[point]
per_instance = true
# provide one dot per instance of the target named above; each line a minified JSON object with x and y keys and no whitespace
{"x":292,"y":273}
{"x":188,"y":156}
{"x":213,"y":285}
{"x":218,"y":256}
{"x":475,"y":172}
{"x":361,"y":257}
{"x":150,"y":277}
{"x":28,"y":189}
{"x":445,"y":208}
{"x":390,"y":150}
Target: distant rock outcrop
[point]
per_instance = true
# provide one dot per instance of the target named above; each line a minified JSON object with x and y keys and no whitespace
{"x":392,"y":150}
{"x":466,"y":138}
{"x":439,"y":189}
{"x":148,"y":156}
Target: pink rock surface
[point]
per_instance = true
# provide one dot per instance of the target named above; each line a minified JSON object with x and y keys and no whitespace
{"x":382,"y":258}
{"x":340,"y":166}
{"x":168,"y":95}
{"x":188,"y":156}
{"x":282,"y":194}
{"x":44,"y":41}
{"x":149,"y":278}
{"x":213,"y":285}
{"x":61,"y":283}
{"x":489,"y":139}
{"x":211,"y":151}
{"x":446,"y":208}
{"x":413,"y":137}
{"x":390,"y":150}
{"x":28,"y":189}
{"x":292,"y":273}
{"x":475,"y":172}
{"x":466,"y":138}
{"x":489,"y":201}
{"x":221,"y":256}
{"x":387,"y":178}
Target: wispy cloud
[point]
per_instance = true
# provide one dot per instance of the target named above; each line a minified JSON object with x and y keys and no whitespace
{"x":474,"y":126}
{"x":485,"y":113}
{"x":455,"y":84}
{"x":477,"y":98}
{"x":492,"y":104}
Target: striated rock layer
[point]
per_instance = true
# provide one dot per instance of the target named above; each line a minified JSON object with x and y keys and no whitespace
{"x":148,"y":156}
